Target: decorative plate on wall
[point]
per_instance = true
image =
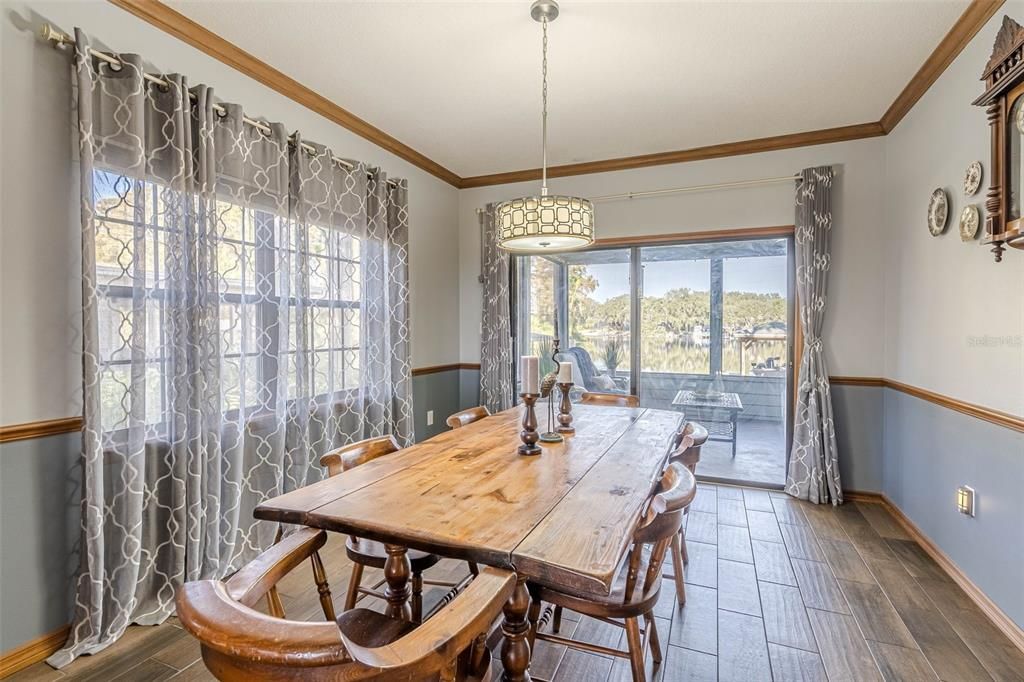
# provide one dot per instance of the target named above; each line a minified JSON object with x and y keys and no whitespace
{"x":972,"y":179}
{"x":938,"y":212}
{"x":969,"y":220}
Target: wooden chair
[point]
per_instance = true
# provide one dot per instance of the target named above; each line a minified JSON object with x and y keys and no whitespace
{"x":467,"y":417}
{"x":240,"y":643}
{"x":618,"y":399}
{"x":638,"y":584}
{"x":370,"y":553}
{"x":685,"y":450}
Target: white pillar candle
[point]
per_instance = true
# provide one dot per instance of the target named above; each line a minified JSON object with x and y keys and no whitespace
{"x":565,"y":372}
{"x":529,"y":373}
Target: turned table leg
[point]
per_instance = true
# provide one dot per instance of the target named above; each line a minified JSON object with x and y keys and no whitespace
{"x":515,"y":648}
{"x":397,"y":570}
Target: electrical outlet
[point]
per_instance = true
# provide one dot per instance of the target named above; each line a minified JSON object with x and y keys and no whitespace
{"x":430,"y":417}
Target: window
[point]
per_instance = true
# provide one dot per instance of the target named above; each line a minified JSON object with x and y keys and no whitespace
{"x":266,"y":275}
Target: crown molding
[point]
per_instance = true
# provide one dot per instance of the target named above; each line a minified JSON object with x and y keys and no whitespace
{"x":178,"y":25}
{"x":181,"y":27}
{"x":714,"y":151}
{"x":966,"y":27}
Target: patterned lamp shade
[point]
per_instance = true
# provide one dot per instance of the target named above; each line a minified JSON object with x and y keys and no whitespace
{"x":544,"y":223}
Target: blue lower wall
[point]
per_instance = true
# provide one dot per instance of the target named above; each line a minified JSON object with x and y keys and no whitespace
{"x":40,"y":491}
{"x":858,"y":412}
{"x":930,"y":451}
{"x":914,"y":451}
{"x":440,"y":392}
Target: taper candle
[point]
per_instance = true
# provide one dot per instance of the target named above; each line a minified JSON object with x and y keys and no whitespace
{"x":529,"y":373}
{"x":565,"y":372}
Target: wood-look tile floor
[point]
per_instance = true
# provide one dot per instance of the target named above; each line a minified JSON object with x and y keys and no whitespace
{"x":776,"y":590}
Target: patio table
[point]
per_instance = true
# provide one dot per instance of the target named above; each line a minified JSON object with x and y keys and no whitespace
{"x":707,"y":411}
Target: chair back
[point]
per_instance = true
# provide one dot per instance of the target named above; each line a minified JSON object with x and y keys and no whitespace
{"x":663,"y":518}
{"x":467,"y":417}
{"x":240,"y":643}
{"x":617,"y":399}
{"x":352,"y":455}
{"x":686,"y":444}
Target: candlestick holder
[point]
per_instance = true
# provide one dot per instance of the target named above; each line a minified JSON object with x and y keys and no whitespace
{"x":529,"y":434}
{"x":565,"y":410}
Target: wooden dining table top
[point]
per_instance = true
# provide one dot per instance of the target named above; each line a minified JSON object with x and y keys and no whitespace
{"x":564,"y":518}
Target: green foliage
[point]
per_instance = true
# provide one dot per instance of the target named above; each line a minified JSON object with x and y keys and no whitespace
{"x":613,"y":352}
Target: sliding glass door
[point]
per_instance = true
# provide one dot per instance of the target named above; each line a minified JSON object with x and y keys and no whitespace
{"x":703,"y":328}
{"x":716,"y":346}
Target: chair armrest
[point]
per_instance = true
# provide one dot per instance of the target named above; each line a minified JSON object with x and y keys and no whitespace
{"x":210,"y":614}
{"x":449,"y":632}
{"x":255,"y":579}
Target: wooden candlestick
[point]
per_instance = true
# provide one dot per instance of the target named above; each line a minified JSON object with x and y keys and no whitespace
{"x":565,"y":410}
{"x":529,"y":434}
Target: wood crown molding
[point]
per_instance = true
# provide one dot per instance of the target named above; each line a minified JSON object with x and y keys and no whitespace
{"x":714,"y":151}
{"x":966,"y":27}
{"x":32,"y":652}
{"x":181,"y":27}
{"x":1003,"y":622}
{"x":40,"y":429}
{"x":178,"y":25}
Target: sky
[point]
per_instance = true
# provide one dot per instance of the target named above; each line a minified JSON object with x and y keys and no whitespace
{"x":761,"y":275}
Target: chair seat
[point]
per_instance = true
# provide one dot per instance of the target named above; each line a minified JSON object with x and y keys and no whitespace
{"x":372,"y":553}
{"x":372,"y":629}
{"x":613,"y":605}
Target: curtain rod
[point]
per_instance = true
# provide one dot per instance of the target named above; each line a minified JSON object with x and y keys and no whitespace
{"x":59,"y":39}
{"x":694,"y":188}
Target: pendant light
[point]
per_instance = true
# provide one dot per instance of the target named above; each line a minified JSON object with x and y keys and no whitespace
{"x":548,"y":222}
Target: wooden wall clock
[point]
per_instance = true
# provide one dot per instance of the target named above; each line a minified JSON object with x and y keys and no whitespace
{"x":1003,"y":100}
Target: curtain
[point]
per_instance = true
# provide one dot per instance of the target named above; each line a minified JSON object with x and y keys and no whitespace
{"x":245,"y":309}
{"x":496,"y":390}
{"x":814,"y":460}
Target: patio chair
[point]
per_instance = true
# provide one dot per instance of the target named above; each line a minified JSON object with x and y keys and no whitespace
{"x":585,"y":375}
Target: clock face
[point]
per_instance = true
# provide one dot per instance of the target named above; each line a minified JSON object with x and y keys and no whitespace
{"x":938,"y":212}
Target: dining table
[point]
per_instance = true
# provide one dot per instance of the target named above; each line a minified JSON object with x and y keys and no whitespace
{"x":564,"y":518}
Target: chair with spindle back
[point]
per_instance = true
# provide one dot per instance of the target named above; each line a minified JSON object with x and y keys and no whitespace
{"x":370,"y":553}
{"x":240,"y":643}
{"x":467,"y":417}
{"x":617,"y":399}
{"x":684,"y":449}
{"x":638,"y":584}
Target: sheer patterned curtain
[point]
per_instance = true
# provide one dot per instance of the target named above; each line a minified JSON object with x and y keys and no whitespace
{"x":496,"y":390}
{"x":814,"y":459}
{"x":245,"y":309}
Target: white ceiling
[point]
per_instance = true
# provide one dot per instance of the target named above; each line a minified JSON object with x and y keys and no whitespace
{"x":460,"y":82}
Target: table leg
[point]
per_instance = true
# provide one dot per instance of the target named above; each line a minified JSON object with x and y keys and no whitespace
{"x":397,"y":571}
{"x":734,"y":435}
{"x":515,"y":648}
